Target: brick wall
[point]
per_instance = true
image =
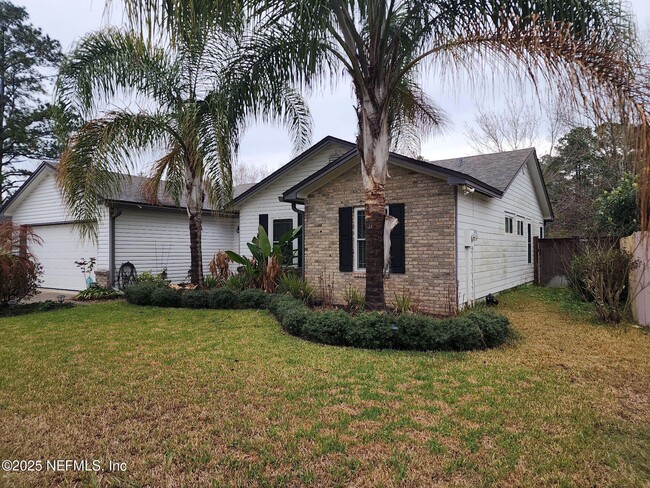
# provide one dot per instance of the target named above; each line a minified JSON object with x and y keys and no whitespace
{"x":429,"y":205}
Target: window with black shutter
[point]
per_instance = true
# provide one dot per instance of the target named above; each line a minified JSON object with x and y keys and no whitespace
{"x":345,"y":239}
{"x":264,"y":222}
{"x":352,"y":239}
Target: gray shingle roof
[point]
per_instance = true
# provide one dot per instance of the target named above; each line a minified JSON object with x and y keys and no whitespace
{"x":496,"y":170}
{"x":132,"y":191}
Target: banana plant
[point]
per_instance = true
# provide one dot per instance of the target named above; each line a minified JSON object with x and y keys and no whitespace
{"x":268,"y":258}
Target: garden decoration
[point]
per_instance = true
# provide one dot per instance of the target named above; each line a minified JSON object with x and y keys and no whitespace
{"x":126,"y":275}
{"x":86,"y":267}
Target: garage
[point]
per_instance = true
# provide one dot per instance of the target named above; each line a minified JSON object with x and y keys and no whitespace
{"x":61,"y":247}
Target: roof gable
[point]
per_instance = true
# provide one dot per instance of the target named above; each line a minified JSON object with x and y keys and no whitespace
{"x":326,"y":141}
{"x":495,"y":169}
{"x":30,"y":183}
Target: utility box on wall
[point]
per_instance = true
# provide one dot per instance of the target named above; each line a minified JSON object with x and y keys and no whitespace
{"x":470,"y":237}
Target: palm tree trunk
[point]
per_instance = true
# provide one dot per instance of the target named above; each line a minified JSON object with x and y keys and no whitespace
{"x":373,"y":144}
{"x":196,"y":254}
{"x":195,"y":198}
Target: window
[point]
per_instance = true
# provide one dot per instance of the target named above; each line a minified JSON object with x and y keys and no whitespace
{"x":530,"y":243}
{"x":541,"y":231}
{"x":359,"y":239}
{"x":280,"y":228}
{"x":508,"y":227}
{"x":520,"y":227}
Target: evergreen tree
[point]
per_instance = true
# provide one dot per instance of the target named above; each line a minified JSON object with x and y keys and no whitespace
{"x":26,"y":130}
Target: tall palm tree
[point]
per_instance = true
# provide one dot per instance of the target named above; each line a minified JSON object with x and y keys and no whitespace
{"x":585,"y":48}
{"x":185,"y":108}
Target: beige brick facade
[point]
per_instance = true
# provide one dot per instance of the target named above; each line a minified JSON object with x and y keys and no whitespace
{"x":430,"y":229}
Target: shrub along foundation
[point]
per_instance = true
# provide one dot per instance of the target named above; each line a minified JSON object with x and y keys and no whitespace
{"x":368,"y":330}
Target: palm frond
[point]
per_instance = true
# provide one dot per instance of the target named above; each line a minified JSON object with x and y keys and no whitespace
{"x":97,"y":156}
{"x":111,"y":62}
{"x":412,"y":116}
{"x":179,"y":19}
{"x":168,"y":172}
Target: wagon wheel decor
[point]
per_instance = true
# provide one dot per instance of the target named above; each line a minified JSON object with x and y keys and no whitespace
{"x":126,"y":275}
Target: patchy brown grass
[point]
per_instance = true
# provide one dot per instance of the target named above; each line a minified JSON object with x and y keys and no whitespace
{"x":220,"y":398}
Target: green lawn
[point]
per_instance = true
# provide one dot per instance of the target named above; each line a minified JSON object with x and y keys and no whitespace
{"x":189,"y":398}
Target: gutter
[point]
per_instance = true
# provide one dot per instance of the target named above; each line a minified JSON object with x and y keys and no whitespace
{"x":113,"y":214}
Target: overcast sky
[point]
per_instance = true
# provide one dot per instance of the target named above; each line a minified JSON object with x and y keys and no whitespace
{"x":332,"y":109}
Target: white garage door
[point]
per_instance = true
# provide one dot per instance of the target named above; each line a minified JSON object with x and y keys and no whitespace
{"x":61,"y":247}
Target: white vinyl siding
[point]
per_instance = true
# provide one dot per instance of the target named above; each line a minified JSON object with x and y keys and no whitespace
{"x":41,"y":203}
{"x":499,"y":259}
{"x":266,"y":200}
{"x":154,"y":240}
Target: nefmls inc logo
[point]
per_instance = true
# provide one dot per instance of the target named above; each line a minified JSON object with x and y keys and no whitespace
{"x":74,"y":465}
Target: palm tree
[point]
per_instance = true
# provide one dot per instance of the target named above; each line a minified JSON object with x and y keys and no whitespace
{"x":186,"y":108}
{"x":586,"y":48}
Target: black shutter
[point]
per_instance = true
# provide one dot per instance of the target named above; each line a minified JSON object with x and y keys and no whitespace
{"x":397,"y":240}
{"x":301,"y":248}
{"x":345,"y":239}
{"x":264,"y":222}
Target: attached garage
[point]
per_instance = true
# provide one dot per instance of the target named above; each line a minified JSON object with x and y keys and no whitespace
{"x":151,"y":237}
{"x":38,"y":204}
{"x":61,"y":247}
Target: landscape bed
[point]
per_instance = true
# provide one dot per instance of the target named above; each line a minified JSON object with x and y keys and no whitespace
{"x":200,"y":397}
{"x":375,"y":330}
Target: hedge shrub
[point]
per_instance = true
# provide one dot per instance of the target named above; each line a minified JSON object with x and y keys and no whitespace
{"x":495,"y":327}
{"x":195,"y":299}
{"x":377,"y":330}
{"x":278,"y":305}
{"x":140,"y":293}
{"x":165,"y":297}
{"x":222,"y":298}
{"x":328,"y":327}
{"x":253,"y":298}
{"x":372,"y":330}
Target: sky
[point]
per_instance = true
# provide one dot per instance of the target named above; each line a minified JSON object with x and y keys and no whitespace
{"x":331,"y":107}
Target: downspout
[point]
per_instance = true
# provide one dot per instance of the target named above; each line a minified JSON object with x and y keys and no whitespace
{"x":111,"y":244}
{"x":302,"y":232}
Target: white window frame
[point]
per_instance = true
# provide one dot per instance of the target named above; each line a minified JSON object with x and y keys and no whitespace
{"x":355,"y":240}
{"x":511,"y":226}
{"x":355,"y":219}
{"x":520,"y":228}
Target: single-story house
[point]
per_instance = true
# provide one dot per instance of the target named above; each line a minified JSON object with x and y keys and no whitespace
{"x":466,"y":226}
{"x":153,"y":237}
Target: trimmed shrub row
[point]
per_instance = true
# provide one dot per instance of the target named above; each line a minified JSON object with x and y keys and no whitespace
{"x":376,"y":330}
{"x":372,"y":330}
{"x":160,"y":295}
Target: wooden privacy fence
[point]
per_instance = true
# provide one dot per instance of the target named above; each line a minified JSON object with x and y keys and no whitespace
{"x":552,"y":259}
